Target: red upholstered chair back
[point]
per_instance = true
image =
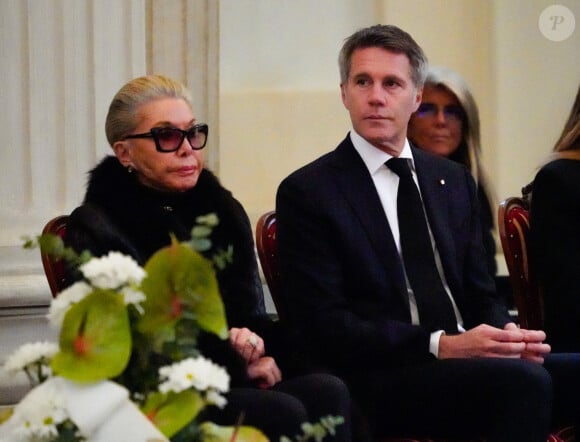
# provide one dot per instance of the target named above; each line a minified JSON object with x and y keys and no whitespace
{"x":54,"y":269}
{"x":266,"y":245}
{"x":514,"y":232}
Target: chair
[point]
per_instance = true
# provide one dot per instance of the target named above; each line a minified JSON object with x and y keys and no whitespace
{"x":53,"y":268}
{"x":266,"y":245}
{"x":514,"y":230}
{"x":514,"y":233}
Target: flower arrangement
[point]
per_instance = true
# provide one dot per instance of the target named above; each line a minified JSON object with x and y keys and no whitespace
{"x":127,"y":361}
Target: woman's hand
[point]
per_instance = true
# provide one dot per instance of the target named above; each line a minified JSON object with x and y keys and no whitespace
{"x":265,"y":372}
{"x":247,"y":343}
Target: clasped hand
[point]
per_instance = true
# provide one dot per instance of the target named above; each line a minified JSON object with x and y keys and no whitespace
{"x":486,"y":342}
{"x":260,"y":368}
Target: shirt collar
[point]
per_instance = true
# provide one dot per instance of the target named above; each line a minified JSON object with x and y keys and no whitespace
{"x":375,"y":158}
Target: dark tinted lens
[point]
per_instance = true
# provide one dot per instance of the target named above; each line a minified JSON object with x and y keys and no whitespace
{"x":430,"y":110}
{"x":453,"y":112}
{"x":427,"y":110}
{"x":197,"y":136}
{"x":169,"y":138}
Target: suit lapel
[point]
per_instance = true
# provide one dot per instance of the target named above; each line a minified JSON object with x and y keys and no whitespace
{"x":435,"y":194}
{"x":356,"y":185}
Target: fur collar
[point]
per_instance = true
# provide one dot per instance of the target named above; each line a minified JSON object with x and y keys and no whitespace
{"x":146,"y":216}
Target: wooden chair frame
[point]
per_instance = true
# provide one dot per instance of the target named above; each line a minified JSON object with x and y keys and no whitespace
{"x":54,"y":269}
{"x":514,"y":229}
{"x":266,"y":247}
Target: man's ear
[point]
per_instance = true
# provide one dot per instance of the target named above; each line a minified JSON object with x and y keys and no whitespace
{"x":343,"y":95}
{"x":122,"y":152}
{"x":418,"y":98}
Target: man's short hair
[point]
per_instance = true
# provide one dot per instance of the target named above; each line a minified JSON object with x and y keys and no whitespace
{"x":390,"y":38}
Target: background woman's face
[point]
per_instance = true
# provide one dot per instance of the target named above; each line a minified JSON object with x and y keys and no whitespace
{"x":437,"y":126}
{"x":167,"y":171}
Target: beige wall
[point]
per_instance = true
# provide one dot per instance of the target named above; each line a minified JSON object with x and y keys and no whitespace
{"x":279,"y":101}
{"x":537,"y":80}
{"x":280,"y":105}
{"x":265,"y":141}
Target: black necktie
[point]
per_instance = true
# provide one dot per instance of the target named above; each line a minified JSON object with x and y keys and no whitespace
{"x":433,"y":303}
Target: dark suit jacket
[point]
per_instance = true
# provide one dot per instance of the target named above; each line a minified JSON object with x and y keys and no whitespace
{"x":341,"y":272}
{"x":555,"y":247}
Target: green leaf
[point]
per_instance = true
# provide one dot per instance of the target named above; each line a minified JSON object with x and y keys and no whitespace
{"x":200,"y":244}
{"x":222,"y":258}
{"x":95,"y":340}
{"x":216,"y":433}
{"x":51,"y":244}
{"x":173,"y":411}
{"x":211,"y":219}
{"x":201,"y":231}
{"x":181,"y":283}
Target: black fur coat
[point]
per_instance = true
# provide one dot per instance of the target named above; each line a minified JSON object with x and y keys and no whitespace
{"x":118,"y":213}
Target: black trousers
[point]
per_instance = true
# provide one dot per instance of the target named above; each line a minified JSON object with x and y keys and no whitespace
{"x":281,"y":410}
{"x":498,"y":399}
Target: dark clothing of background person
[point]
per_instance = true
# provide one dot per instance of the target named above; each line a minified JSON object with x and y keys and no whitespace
{"x":555,"y":250}
{"x":120,"y":214}
{"x":447,"y":124}
{"x":487,"y":222}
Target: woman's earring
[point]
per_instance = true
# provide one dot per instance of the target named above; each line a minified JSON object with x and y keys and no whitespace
{"x":129,"y":169}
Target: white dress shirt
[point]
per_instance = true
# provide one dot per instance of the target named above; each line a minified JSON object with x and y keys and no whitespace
{"x":387,"y":183}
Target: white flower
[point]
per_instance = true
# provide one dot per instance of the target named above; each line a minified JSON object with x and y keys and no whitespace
{"x":199,"y":373}
{"x":113,"y":271}
{"x":36,"y":416}
{"x":132,"y":296}
{"x":30,"y":354}
{"x":77,"y":292}
{"x":71,"y":295}
{"x":214,"y":398}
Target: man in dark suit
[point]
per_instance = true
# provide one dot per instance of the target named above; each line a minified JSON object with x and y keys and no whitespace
{"x":348,"y":285}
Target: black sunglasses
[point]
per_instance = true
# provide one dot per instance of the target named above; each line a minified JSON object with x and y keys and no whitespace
{"x":451,"y":112}
{"x":169,"y":139}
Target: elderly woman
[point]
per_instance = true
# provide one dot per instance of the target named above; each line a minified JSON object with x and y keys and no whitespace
{"x":156,"y":184}
{"x":447,"y":124}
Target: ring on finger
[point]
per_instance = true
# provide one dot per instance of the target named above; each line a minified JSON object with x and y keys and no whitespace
{"x":253,"y":341}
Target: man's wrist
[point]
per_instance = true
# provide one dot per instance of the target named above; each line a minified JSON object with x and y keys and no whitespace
{"x":434,"y":342}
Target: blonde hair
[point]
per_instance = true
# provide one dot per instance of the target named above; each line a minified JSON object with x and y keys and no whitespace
{"x":568,"y":144}
{"x":122,"y":118}
{"x":469,"y":150}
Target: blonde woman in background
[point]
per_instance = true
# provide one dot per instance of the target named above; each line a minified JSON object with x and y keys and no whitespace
{"x":447,"y":124}
{"x":555,"y":236}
